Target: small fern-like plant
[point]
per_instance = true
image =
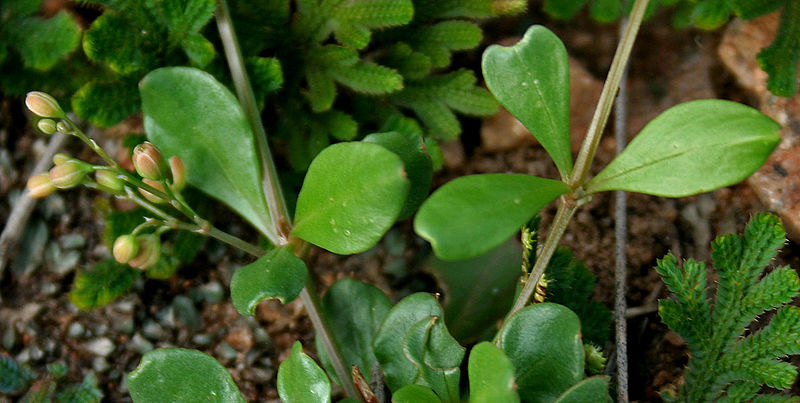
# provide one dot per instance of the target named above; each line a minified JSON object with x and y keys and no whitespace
{"x":726,"y":365}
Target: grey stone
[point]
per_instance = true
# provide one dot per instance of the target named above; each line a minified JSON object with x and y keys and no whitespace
{"x":101,"y":346}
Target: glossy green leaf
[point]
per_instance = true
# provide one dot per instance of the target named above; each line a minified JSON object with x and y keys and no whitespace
{"x":415,"y":394}
{"x":190,"y":114}
{"x":352,"y":194}
{"x":354,"y":312}
{"x":388,"y":344}
{"x":473,"y":214}
{"x":543,"y":342}
{"x":531,"y":79}
{"x":181,"y":375}
{"x":477,"y":291}
{"x":411,"y":149}
{"x":301,"y":380}
{"x":589,"y":390}
{"x":278,"y":274}
{"x":491,"y":375}
{"x":436,"y":355}
{"x":692,"y":148}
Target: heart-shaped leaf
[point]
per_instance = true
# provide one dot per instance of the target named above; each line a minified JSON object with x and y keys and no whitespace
{"x":543,"y":342}
{"x":594,"y":389}
{"x":437,"y":356}
{"x":354,"y":312}
{"x":388,"y":344}
{"x":491,"y":375}
{"x":301,"y":380}
{"x":531,"y":80}
{"x":692,"y":148}
{"x":352,"y":194}
{"x":190,"y":114}
{"x":278,"y":274}
{"x":415,"y":394}
{"x":181,"y":375}
{"x":473,"y":214}
{"x":411,"y":149}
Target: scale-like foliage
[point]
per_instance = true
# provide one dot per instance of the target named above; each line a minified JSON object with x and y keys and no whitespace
{"x":435,"y":100}
{"x":779,"y":59}
{"x":101,"y":284}
{"x":724,"y":365}
{"x":13,"y":377}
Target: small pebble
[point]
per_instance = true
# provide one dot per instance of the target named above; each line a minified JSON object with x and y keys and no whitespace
{"x":166,"y":317}
{"x":152,"y":330}
{"x":9,"y":338}
{"x":186,"y":313}
{"x":201,"y":340}
{"x":124,"y":306}
{"x":225,"y":351}
{"x":101,"y":346}
{"x":124,"y":325}
{"x":140,"y":344}
{"x":75,"y":330}
{"x":36,"y":353}
{"x":100,"y":364}
{"x":212,"y":293}
{"x":72,"y":241}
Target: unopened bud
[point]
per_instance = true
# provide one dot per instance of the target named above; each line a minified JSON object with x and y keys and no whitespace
{"x":178,"y":173}
{"x":125,"y":248}
{"x":63,"y":127}
{"x":61,"y":158}
{"x":39,"y":185}
{"x":108,"y":181}
{"x":69,"y":173}
{"x":46,"y":126}
{"x":149,"y":252}
{"x":148,"y":161}
{"x":149,"y":196}
{"x":43,"y":105}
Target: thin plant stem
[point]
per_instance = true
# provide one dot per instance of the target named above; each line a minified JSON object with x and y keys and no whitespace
{"x":621,"y":235}
{"x":273,"y":192}
{"x":586,"y":155}
{"x":272,"y":188}
{"x":570,"y":203}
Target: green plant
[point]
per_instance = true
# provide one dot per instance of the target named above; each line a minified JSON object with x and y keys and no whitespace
{"x":16,"y":379}
{"x":726,"y":364}
{"x":352,"y":194}
{"x":779,"y":59}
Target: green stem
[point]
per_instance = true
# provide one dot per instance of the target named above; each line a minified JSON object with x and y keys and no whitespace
{"x":273,"y":192}
{"x":586,"y":155}
{"x":77,"y":132}
{"x":272,"y":189}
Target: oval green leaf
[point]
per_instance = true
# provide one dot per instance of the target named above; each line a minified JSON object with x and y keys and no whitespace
{"x":415,"y":394}
{"x":491,"y":376}
{"x":543,"y":342}
{"x":473,"y":214}
{"x":437,"y":356}
{"x":589,"y":390}
{"x":692,"y":148}
{"x":190,"y":114}
{"x":389,"y":342}
{"x":352,"y":194}
{"x":181,"y":375}
{"x":354,"y":312}
{"x":301,"y":380}
{"x":411,"y":149}
{"x":531,"y":80}
{"x":278,"y":274}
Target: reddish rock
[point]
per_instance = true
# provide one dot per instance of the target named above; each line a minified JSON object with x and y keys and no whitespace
{"x":777,"y":183}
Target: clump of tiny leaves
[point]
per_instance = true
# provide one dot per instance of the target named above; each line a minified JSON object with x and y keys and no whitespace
{"x":779,"y":59}
{"x":18,"y":380}
{"x":337,"y":68}
{"x":727,"y":364}
{"x":354,"y":191}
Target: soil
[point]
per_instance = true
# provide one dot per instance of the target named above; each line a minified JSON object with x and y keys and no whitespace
{"x":39,"y":325}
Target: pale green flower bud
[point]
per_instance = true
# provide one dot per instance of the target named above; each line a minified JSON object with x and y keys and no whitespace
{"x":63,"y":127}
{"x":61,"y":158}
{"x":149,"y":196}
{"x":125,"y":248}
{"x":39,"y":185}
{"x":149,"y":252}
{"x":148,"y":161}
{"x":108,"y":182}
{"x":69,"y":174}
{"x":46,"y":126}
{"x":43,"y":105}
{"x":178,"y":173}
